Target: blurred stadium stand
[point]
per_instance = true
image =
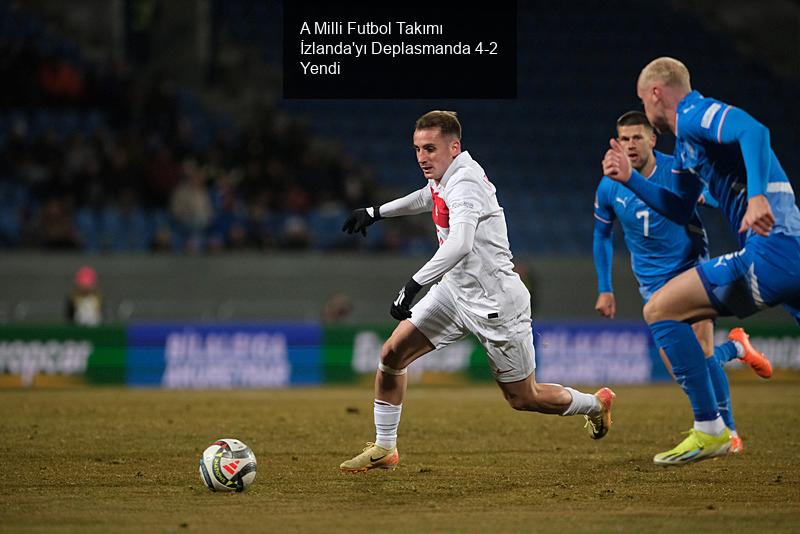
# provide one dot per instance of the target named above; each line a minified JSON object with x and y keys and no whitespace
{"x":99,"y":133}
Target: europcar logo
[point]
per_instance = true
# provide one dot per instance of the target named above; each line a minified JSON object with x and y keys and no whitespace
{"x":29,"y":358}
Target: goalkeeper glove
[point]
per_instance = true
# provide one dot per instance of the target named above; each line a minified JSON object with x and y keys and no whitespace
{"x":401,"y":307}
{"x":359,"y":219}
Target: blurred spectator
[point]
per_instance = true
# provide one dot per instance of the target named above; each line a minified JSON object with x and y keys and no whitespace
{"x":229,"y":227}
{"x":191,"y":207}
{"x":85,"y":303}
{"x":295,"y":233}
{"x":60,"y":80}
{"x":161,"y":176}
{"x":54,"y":227}
{"x":337,"y":309}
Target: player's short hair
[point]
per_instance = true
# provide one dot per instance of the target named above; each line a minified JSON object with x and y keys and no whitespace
{"x":634,"y":118}
{"x":446,"y":121}
{"x":668,"y":71}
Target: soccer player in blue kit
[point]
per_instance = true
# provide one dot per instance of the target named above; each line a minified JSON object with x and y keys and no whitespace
{"x":729,"y":151}
{"x":660,"y":250}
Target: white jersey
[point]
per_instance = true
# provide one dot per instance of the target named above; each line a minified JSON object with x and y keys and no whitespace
{"x":483,"y":282}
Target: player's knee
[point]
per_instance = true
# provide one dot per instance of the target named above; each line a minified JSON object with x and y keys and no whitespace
{"x":653,"y":311}
{"x":389,"y":354}
{"x":393,"y":356}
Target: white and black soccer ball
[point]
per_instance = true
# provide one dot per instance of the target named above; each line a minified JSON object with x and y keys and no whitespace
{"x":228,"y":465}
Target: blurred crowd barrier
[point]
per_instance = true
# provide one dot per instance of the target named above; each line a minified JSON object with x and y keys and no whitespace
{"x":285,"y":354}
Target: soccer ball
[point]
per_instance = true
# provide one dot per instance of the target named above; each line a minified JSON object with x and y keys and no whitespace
{"x":228,"y":465}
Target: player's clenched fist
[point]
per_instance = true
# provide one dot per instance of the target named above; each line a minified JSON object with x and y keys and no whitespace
{"x":616,"y":164}
{"x":606,"y":305}
{"x":758,"y":216}
{"x":401,"y":307}
{"x":359,"y":219}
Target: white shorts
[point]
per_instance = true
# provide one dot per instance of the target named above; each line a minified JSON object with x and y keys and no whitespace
{"x":508,"y":342}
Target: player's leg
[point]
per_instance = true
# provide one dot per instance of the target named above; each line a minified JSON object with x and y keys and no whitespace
{"x":528,"y":395}
{"x":763,"y":274}
{"x":433,"y":324}
{"x":704,"y":330}
{"x":670,"y":310}
{"x":739,"y":346}
{"x":405,"y":345}
{"x":511,"y":354}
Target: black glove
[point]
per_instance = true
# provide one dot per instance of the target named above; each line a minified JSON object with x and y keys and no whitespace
{"x":401,"y":307}
{"x":359,"y":219}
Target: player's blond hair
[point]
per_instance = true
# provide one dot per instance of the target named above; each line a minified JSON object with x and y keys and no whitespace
{"x":447,"y":121}
{"x":667,"y":71}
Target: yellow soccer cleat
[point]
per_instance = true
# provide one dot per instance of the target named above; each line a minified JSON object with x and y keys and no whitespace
{"x":372,"y":457}
{"x":599,"y":423}
{"x":697,"y":446}
{"x":756,"y":360}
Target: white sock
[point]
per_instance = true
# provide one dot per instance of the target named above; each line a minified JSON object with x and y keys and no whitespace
{"x":582,"y":403}
{"x":733,"y":433}
{"x":739,"y":349}
{"x":387,"y":419}
{"x":715,"y":427}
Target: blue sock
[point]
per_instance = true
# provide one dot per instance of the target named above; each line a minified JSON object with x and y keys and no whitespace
{"x":721,"y":390}
{"x":725,"y":352}
{"x":688,"y":365}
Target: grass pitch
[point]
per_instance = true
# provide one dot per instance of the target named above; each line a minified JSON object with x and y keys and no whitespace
{"x":122,"y":460}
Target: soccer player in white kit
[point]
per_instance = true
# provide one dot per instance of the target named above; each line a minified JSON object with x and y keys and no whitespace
{"x":478,"y":293}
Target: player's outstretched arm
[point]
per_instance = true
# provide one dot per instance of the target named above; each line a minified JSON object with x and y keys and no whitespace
{"x":359,"y":219}
{"x":678,"y":206}
{"x":420,"y":201}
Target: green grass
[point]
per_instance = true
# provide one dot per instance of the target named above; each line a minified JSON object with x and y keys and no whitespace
{"x":122,"y":460}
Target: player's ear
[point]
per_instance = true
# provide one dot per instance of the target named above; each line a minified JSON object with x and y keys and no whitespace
{"x":455,"y":147}
{"x":657,"y":92}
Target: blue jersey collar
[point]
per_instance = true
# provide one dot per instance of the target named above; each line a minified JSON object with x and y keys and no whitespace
{"x":688,"y":100}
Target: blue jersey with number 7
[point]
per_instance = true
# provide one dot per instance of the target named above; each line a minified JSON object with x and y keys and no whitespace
{"x":660,"y":249}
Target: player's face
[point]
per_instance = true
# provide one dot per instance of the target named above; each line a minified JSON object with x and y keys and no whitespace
{"x":650,"y":95}
{"x":638,"y":142}
{"x":435,"y":152}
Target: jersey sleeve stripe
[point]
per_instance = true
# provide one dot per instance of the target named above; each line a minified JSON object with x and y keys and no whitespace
{"x":596,"y":216}
{"x":721,"y":120}
{"x":779,"y":187}
{"x":677,"y":171}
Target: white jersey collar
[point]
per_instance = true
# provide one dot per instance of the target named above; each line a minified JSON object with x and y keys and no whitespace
{"x":462,"y":160}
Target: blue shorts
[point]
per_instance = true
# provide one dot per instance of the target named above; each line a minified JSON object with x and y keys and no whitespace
{"x":765,"y":273}
{"x":648,"y":290}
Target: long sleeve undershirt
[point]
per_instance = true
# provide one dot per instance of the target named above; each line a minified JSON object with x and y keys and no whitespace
{"x":603,"y":251}
{"x":417,"y":202}
{"x":753,"y":139}
{"x":458,"y":244}
{"x":675,"y":207}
